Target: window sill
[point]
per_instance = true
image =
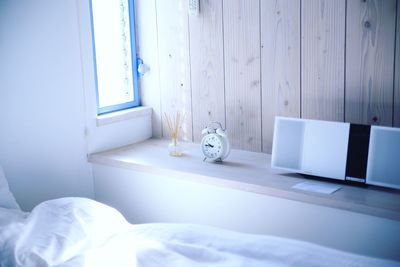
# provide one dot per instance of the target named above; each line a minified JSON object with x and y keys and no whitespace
{"x":123,"y":115}
{"x":247,"y":171}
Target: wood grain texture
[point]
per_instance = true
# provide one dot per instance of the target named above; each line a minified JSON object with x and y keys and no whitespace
{"x":207,"y":66}
{"x":370,"y":40}
{"x":148,"y":50}
{"x":174,"y":62}
{"x":242,"y":73}
{"x":238,"y":63}
{"x":396,"y":102}
{"x":280,"y":63}
{"x":322,"y":60}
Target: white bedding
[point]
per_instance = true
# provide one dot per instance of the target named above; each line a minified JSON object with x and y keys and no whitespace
{"x":80,"y":232}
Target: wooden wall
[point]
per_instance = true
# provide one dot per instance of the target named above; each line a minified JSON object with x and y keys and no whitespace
{"x":242,"y":62}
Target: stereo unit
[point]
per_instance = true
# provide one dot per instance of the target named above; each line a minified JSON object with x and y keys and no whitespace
{"x":337,"y":150}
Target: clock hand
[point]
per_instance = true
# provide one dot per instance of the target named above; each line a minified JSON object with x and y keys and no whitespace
{"x":209,"y":145}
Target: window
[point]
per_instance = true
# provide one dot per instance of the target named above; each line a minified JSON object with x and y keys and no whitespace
{"x":115,"y":61}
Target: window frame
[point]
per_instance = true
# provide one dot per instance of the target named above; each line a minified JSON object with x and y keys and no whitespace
{"x":134,"y":58}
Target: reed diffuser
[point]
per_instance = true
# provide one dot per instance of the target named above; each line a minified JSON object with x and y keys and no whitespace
{"x":174,"y":124}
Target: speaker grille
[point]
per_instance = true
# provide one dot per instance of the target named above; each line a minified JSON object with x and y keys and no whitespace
{"x":357,"y":152}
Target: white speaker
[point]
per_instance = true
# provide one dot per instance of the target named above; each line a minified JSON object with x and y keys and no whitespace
{"x":384,"y":157}
{"x":337,"y":150}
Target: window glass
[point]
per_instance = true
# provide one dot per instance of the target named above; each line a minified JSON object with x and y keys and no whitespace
{"x":115,"y":54}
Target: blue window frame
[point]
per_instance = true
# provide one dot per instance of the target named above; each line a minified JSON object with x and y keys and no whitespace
{"x":114,"y":53}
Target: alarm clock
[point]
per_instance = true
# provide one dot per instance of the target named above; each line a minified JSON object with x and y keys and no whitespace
{"x":215,"y":144}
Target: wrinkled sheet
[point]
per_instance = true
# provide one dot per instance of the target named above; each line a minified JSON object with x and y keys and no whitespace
{"x":80,"y":232}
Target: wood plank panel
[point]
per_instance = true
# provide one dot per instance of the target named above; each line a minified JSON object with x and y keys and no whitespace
{"x":370,"y":40}
{"x":322,"y":60}
{"x":148,"y":50}
{"x":280,"y":63}
{"x":207,"y":66}
{"x":242,"y":73}
{"x":396,"y":108}
{"x":174,"y":63}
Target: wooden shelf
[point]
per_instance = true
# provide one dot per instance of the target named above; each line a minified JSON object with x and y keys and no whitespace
{"x":248,"y":171}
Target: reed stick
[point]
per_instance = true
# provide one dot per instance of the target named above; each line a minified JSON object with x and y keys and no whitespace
{"x":174,"y":124}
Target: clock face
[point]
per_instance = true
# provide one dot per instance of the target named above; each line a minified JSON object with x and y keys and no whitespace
{"x":212,"y":146}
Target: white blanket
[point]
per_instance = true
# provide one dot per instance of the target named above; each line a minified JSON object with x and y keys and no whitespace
{"x":80,"y":232}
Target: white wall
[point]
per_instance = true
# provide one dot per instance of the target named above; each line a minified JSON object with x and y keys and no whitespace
{"x":42,"y":134}
{"x":47,"y":101}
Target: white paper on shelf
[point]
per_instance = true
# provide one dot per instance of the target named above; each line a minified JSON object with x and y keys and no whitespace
{"x":318,"y":187}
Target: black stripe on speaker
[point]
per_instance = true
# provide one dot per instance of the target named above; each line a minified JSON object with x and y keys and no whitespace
{"x":357,"y":152}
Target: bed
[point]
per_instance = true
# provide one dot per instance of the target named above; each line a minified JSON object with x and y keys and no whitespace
{"x":78,"y":232}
